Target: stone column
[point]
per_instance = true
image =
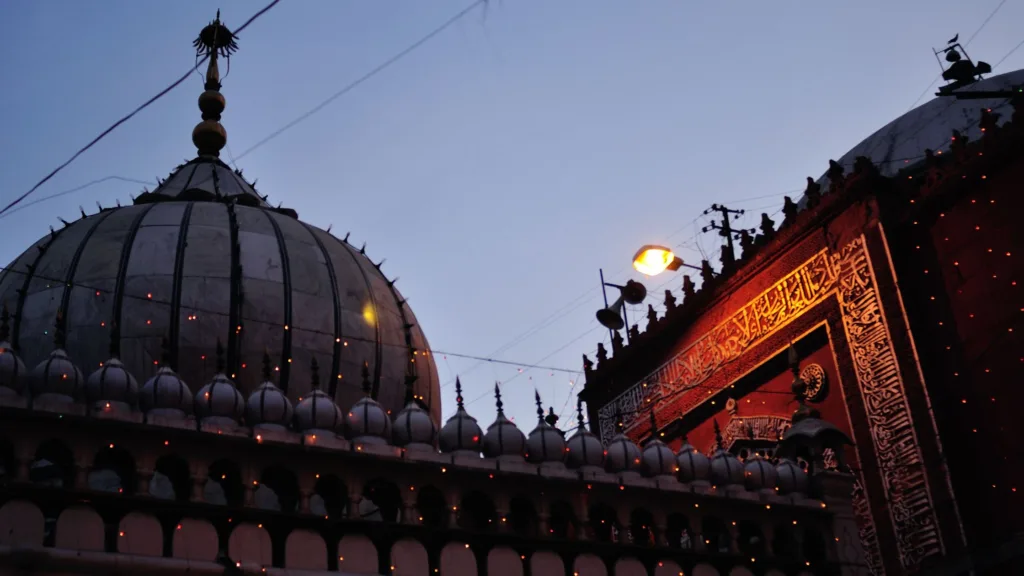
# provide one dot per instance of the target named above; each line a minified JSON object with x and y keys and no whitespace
{"x":142,"y":485}
{"x":734,"y":537}
{"x":837,"y":494}
{"x":304,"y":496}
{"x":198,"y":484}
{"x":768,"y":533}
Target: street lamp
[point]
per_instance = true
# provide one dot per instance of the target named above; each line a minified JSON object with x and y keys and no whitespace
{"x":652,"y":259}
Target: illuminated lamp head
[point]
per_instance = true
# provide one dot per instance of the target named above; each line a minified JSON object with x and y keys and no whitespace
{"x":651,"y":260}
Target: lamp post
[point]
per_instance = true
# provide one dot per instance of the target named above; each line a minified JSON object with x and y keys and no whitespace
{"x":652,"y":259}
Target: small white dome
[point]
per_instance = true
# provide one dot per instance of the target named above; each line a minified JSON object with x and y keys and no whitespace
{"x":503,"y":437}
{"x":268,"y":405}
{"x":726,"y":468}
{"x":57,"y":378}
{"x":622,"y":455}
{"x":112,"y":383}
{"x":220,"y":399}
{"x":585,"y":449}
{"x":693,"y":465}
{"x":166,"y":394}
{"x":12,"y":369}
{"x":545,"y":443}
{"x":759,"y":474}
{"x":658,"y":459}
{"x":317,"y":411}
{"x":413,"y":429}
{"x":367,"y":421}
{"x":791,"y":477}
{"x":461,"y":434}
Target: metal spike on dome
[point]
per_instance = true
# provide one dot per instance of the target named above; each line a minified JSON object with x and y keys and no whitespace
{"x":381,"y":263}
{"x":362,"y":250}
{"x":267,"y":370}
{"x":579,"y":414}
{"x":329,"y":226}
{"x":5,"y":324}
{"x":64,"y":222}
{"x":314,"y":369}
{"x":100,"y":206}
{"x":118,"y":202}
{"x":132,"y":196}
{"x":540,"y":409}
{"x":366,"y":377}
{"x":392,"y":282}
{"x":718,"y":434}
{"x":458,"y":394}
{"x":82,"y":211}
{"x":220,"y":357}
{"x":345,"y":239}
{"x":497,"y":399}
{"x":115,"y":341}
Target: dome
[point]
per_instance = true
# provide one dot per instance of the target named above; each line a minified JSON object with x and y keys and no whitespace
{"x":759,"y":474}
{"x":791,"y":477}
{"x":503,"y":437}
{"x":56,"y":377}
{"x":545,"y":443}
{"x":693,"y":465}
{"x":112,"y":383}
{"x":622,"y":455}
{"x":461,"y":434}
{"x":584,"y":449}
{"x":268,"y":405}
{"x":726,"y":469}
{"x":656,"y":458}
{"x":930,"y":126}
{"x":203,"y":258}
{"x":166,"y":394}
{"x":12,"y":369}
{"x":316,"y":410}
{"x":219,"y":401}
{"x":367,"y":421}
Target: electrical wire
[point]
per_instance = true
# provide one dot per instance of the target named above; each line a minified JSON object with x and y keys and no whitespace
{"x":129,"y":116}
{"x":72,"y":190}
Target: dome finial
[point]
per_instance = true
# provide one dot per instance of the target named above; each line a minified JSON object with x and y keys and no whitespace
{"x":579,"y":414}
{"x":267,"y":371}
{"x":458,"y":394}
{"x":5,"y":324}
{"x":540,"y":409}
{"x":366,"y":378}
{"x":215,"y":40}
{"x":497,"y":399}
{"x":314,"y":369}
{"x":115,"y":341}
{"x":718,"y":434}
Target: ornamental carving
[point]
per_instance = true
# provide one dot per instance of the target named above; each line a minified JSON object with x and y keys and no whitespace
{"x":813,"y":375}
{"x":847,"y":274}
{"x":765,"y":428}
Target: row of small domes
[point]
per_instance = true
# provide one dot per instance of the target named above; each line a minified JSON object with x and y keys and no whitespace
{"x":113,"y":388}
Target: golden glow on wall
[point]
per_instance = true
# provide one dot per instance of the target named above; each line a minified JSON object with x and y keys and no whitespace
{"x":369,"y":314}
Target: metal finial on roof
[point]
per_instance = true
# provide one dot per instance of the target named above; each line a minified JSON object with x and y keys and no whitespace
{"x":215,"y":40}
{"x":220,"y":357}
{"x":497,"y":399}
{"x":458,"y":394}
{"x":718,"y":434}
{"x":5,"y":324}
{"x":540,"y":409}
{"x":579,"y":414}
{"x":314,"y":369}
{"x":267,"y":370}
{"x":551,"y":418}
{"x":366,"y":378}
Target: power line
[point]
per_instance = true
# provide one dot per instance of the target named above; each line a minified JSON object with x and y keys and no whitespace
{"x":72,"y":190}
{"x":380,"y":68}
{"x":1008,"y":54}
{"x":130,"y":115}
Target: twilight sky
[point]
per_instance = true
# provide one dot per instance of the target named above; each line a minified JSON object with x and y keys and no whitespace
{"x":500,"y":165}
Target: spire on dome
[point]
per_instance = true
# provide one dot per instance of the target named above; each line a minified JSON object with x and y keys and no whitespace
{"x":718,"y":435}
{"x":551,"y":418}
{"x":220,"y":357}
{"x":267,"y":372}
{"x":458,"y":394}
{"x":215,"y":40}
{"x":540,"y":409}
{"x":579,"y":414}
{"x":314,"y":370}
{"x":115,"y":341}
{"x":497,"y":399}
{"x":366,"y":378}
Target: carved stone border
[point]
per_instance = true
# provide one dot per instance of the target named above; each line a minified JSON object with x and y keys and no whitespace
{"x":847,"y":273}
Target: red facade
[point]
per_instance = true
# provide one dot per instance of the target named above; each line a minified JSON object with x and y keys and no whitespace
{"x":906,"y":294}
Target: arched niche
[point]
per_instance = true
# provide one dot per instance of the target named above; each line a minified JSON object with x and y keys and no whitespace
{"x":409,"y":558}
{"x":113,"y":470}
{"x":740,"y":571}
{"x":641,"y":527}
{"x":21,"y":524}
{"x":357,"y":555}
{"x":8,"y":463}
{"x":603,"y":522}
{"x":53,"y":465}
{"x":140,"y":534}
{"x":562,"y":522}
{"x":590,"y":565}
{"x":224,"y":484}
{"x":305,"y":550}
{"x":522,"y":517}
{"x":329,"y":498}
{"x":504,"y":561}
{"x":667,"y":568}
{"x":543,"y":563}
{"x":195,"y":539}
{"x":457,"y":559}
{"x":171,"y":479}
{"x":80,"y":528}
{"x":678,"y":533}
{"x":430,"y":506}
{"x":476,"y":512}
{"x":250,"y":544}
{"x":278,"y":490}
{"x":705,"y":570}
{"x":629,"y":567}
{"x":381,"y":501}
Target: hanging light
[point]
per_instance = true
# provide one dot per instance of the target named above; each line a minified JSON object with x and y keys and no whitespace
{"x":651,"y":260}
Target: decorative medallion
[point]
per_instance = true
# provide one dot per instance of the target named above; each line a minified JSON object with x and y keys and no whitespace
{"x":817,"y":382}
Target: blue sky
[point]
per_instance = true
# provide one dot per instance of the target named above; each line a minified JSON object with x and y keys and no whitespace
{"x":499,"y":166}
